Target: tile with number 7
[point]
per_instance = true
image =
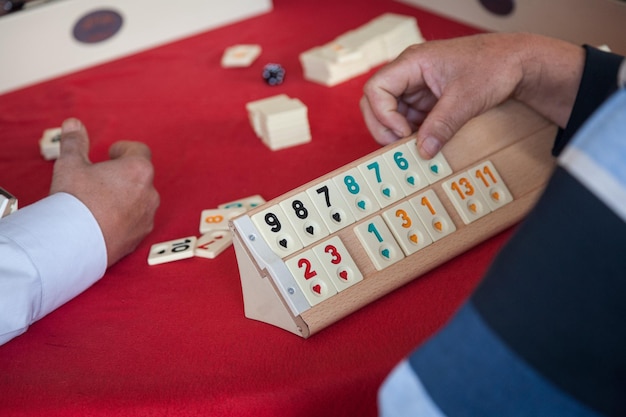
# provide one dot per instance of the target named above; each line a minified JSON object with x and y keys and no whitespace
{"x":210,"y":245}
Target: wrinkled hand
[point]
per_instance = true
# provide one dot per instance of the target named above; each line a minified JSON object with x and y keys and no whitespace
{"x":119,"y":192}
{"x":439,"y":86}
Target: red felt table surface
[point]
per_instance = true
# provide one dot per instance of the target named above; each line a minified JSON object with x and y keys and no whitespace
{"x":172,"y":339}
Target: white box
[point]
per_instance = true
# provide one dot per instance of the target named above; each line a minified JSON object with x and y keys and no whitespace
{"x":594,"y":22}
{"x":42,"y":42}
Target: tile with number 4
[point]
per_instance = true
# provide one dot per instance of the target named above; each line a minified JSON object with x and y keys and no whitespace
{"x":172,"y":250}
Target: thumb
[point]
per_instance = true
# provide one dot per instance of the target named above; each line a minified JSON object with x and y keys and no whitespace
{"x":126,"y":148}
{"x":74,"y":141}
{"x":444,"y":120}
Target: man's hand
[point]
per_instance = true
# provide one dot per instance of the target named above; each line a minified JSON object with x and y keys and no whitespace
{"x":439,"y":86}
{"x":119,"y":192}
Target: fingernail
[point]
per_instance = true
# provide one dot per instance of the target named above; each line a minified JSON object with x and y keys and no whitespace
{"x":431,"y":146}
{"x":70,"y":125}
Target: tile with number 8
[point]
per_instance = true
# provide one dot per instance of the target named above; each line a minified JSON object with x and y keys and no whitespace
{"x":357,"y":193}
{"x":217,"y":219}
{"x":304,"y":218}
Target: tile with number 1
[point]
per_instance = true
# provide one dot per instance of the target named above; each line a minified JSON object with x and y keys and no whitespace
{"x":378,"y":242}
{"x":433,"y":214}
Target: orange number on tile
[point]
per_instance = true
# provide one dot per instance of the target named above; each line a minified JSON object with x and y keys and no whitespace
{"x":214,"y":219}
{"x":426,"y":203}
{"x":481,"y":175}
{"x":406,"y":220}
{"x":464,"y":187}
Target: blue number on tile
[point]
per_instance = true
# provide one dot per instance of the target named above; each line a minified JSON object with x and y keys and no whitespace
{"x":351,"y":184}
{"x":372,"y":229}
{"x":401,"y":162}
{"x":374,"y":165}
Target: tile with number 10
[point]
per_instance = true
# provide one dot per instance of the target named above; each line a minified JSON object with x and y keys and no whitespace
{"x":173,"y":250}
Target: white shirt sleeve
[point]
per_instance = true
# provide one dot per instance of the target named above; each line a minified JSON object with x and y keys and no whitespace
{"x":50,"y":252}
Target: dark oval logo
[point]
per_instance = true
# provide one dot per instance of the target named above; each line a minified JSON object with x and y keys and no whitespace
{"x":97,"y":26}
{"x":499,"y":7}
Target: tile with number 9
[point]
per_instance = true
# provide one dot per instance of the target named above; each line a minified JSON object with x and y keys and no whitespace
{"x":277,"y":231}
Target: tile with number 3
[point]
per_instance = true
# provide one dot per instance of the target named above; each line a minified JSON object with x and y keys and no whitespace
{"x":338,"y":263}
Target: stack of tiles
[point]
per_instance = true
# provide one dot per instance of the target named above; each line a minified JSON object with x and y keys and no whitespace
{"x":280,"y":121}
{"x":50,"y":143}
{"x":359,"y":50}
{"x":240,"y":55}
